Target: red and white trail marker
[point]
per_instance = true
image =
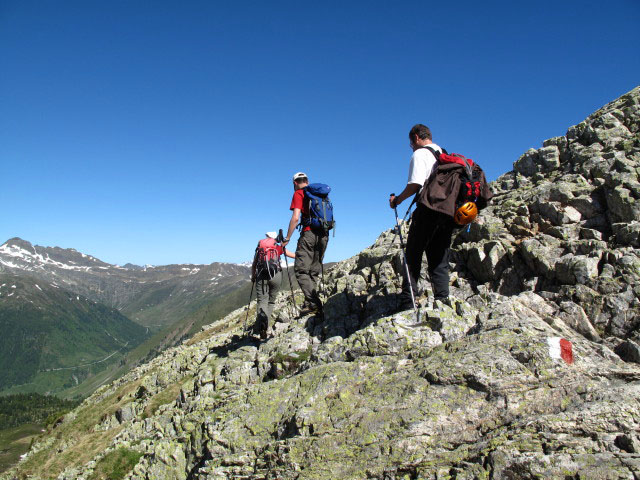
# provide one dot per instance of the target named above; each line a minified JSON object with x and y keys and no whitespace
{"x":561,"y":349}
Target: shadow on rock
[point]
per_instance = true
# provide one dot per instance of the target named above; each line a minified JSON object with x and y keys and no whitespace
{"x":236,"y":343}
{"x":346,"y":313}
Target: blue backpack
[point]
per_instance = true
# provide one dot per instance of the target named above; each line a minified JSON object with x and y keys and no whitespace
{"x":320,"y":208}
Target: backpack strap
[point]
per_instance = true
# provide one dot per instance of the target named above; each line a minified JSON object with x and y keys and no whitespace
{"x":467,"y":166}
{"x":435,"y":152}
{"x":469,"y":169}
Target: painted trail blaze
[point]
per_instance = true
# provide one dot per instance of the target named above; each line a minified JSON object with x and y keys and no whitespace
{"x":561,"y":349}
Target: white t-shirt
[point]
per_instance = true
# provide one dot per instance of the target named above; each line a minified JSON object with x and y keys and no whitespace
{"x":423,"y":164}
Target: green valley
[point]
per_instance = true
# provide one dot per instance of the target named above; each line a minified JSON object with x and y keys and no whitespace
{"x":54,"y":339}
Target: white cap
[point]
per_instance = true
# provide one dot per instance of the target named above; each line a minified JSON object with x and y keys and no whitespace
{"x":273,"y":235}
{"x":299,"y":175}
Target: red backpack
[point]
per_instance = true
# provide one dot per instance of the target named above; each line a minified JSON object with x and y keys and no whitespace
{"x":456,"y":184}
{"x":267,"y":259}
{"x":472,"y":180}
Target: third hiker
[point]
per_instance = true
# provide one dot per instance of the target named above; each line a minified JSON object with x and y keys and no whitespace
{"x":266,"y":271}
{"x":313,"y":240}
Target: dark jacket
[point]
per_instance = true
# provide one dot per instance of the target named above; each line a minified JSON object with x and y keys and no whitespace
{"x":441,"y":190}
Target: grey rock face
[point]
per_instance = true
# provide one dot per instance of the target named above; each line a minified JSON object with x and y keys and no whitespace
{"x":568,"y":216}
{"x":530,"y":371}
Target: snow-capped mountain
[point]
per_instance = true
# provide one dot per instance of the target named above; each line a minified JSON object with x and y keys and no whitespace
{"x":150,"y":295}
{"x":20,"y":254}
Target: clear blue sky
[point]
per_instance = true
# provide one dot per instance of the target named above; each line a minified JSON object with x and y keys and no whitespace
{"x":167,"y":132}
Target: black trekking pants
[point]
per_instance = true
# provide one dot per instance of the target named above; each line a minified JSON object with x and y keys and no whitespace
{"x":430,"y":233}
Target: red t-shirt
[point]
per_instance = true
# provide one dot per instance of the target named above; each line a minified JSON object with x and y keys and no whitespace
{"x":302,"y":203}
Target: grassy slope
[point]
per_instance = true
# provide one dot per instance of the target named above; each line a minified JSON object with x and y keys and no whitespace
{"x":23,"y":417}
{"x":217,"y":308}
{"x":88,"y":440}
{"x":14,"y":442}
{"x":161,"y":305}
{"x":225,"y":302}
{"x":53,"y":339}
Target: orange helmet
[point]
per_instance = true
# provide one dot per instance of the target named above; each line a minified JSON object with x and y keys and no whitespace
{"x":466,"y":213}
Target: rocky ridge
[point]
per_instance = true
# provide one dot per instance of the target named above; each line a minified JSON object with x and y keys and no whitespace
{"x":469,"y":390}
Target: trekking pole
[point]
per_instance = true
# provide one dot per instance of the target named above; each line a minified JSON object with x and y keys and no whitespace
{"x":395,"y":231}
{"x":253,"y":282}
{"x":286,"y":262}
{"x":293,"y":298}
{"x":413,"y":202}
{"x":406,"y":265}
{"x":244,"y":330}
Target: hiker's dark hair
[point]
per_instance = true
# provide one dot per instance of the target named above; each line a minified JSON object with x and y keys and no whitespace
{"x":422,"y":131}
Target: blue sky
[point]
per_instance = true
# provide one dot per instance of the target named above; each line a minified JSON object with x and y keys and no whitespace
{"x":167,"y":132}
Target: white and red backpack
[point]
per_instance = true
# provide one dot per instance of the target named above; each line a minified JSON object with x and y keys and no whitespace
{"x":267,"y":259}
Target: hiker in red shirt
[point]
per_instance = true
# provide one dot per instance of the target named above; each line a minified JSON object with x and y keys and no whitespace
{"x":310,"y":249}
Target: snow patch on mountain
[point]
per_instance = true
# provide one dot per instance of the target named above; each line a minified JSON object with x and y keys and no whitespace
{"x":33,"y":258}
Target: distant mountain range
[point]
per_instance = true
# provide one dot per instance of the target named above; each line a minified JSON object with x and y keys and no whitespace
{"x":71,"y":321}
{"x":151,"y":296}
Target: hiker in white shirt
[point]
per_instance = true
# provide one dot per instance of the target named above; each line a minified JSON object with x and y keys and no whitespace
{"x":430,"y":231}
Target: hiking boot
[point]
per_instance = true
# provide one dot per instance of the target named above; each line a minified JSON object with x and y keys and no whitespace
{"x":263,"y":331}
{"x":440,"y":303}
{"x":310,"y":308}
{"x":307,"y":308}
{"x":260,"y":327}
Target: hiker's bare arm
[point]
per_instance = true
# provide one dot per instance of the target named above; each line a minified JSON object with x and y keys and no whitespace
{"x":410,"y":190}
{"x":289,"y":253}
{"x":295,"y":218}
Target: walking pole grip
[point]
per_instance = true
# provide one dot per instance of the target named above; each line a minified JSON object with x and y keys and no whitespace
{"x":395,"y":209}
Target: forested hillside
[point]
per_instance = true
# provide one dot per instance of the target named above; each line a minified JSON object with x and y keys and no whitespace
{"x":16,"y":410}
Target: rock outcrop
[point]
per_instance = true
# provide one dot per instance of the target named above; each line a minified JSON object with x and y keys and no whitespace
{"x":565,"y":224}
{"x":530,"y":372}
